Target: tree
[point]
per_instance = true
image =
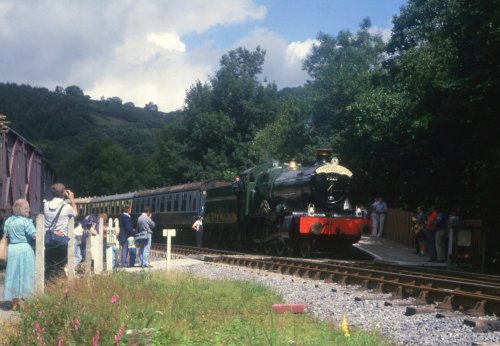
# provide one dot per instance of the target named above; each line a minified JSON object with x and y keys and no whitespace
{"x":238,"y":92}
{"x":291,"y":135}
{"x":445,"y":57}
{"x":342,"y":68}
{"x":102,"y":168}
{"x":151,"y":106}
{"x":75,"y":91}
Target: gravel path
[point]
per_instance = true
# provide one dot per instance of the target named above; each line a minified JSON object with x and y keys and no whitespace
{"x":328,"y":301}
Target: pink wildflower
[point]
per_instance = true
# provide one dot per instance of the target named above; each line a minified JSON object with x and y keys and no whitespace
{"x":60,"y":341}
{"x":66,"y":292}
{"x":40,"y":313}
{"x":36,"y":327}
{"x":115,"y":298}
{"x":76,"y":323}
{"x":119,"y":335}
{"x":95,"y":339}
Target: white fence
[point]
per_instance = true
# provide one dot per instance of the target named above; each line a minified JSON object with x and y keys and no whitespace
{"x":94,"y":250}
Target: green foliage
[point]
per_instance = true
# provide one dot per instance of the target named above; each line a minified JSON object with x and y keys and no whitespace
{"x":445,"y":59}
{"x":342,"y":68}
{"x":413,"y":119}
{"x":94,"y":146}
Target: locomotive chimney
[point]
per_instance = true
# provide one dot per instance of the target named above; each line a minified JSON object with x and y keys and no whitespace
{"x":323,"y":155}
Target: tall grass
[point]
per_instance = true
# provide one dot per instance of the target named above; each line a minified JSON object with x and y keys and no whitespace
{"x":168,"y":309}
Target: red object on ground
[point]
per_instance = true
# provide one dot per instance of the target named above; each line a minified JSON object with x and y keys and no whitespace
{"x":293,"y":308}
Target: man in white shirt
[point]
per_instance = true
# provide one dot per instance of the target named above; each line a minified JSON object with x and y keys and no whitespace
{"x":198,"y":228}
{"x":57,"y":214}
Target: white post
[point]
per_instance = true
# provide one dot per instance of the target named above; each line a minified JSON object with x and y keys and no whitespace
{"x":40,"y":254}
{"x":169,"y":233}
{"x":109,"y":258}
{"x":88,"y":256}
{"x":98,"y":250}
{"x":71,"y":249}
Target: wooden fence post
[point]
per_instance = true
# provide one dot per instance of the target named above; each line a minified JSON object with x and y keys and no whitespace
{"x":71,"y":249}
{"x":98,"y":249}
{"x":88,"y":255}
{"x":40,"y":254}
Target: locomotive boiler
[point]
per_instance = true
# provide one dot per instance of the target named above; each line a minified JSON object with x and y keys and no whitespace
{"x":287,"y":209}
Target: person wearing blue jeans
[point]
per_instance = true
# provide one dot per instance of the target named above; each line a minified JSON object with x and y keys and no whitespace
{"x":145,"y":226}
{"x":126,"y":230}
{"x":131,"y":251}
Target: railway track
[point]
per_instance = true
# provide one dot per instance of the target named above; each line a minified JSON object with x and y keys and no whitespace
{"x":434,"y":290}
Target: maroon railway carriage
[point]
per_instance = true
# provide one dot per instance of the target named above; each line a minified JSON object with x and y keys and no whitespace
{"x":24,"y":174}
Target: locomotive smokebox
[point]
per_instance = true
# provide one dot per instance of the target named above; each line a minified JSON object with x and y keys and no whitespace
{"x":323,"y":155}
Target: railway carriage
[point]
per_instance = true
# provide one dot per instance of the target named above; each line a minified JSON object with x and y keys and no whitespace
{"x":175,"y":207}
{"x":24,"y":174}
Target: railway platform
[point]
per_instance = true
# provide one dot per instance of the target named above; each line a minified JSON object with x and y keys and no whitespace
{"x":387,"y":251}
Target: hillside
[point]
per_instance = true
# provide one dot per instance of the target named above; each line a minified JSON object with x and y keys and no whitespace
{"x":63,"y":124}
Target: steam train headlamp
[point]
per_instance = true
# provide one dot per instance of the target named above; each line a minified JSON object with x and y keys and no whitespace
{"x":316,"y":227}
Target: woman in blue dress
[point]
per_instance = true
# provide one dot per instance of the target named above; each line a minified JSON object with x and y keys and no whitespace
{"x":20,"y":272}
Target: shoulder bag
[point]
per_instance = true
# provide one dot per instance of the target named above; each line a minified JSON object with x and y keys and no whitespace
{"x":52,"y":239}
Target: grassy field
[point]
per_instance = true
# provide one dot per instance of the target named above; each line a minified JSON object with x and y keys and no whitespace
{"x":172,"y":308}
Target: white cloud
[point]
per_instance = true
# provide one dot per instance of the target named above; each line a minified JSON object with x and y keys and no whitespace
{"x":167,"y":40}
{"x":283,"y":61}
{"x":297,"y":51}
{"x":125,"y":48}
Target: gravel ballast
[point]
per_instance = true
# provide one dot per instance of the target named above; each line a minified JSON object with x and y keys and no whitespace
{"x":328,"y":301}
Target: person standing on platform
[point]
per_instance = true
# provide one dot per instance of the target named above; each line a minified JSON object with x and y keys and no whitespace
{"x":89,"y":224}
{"x":126,"y":231}
{"x":372,"y":211}
{"x":419,"y":231}
{"x":381,"y":209}
{"x":441,"y":231}
{"x":453,"y":221}
{"x":20,"y":272}
{"x":145,"y":233}
{"x":431,"y":228}
{"x":131,"y":251}
{"x":198,"y":228}
{"x":57,"y":214}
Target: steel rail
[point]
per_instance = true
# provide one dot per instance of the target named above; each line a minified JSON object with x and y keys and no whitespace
{"x":446,"y":292}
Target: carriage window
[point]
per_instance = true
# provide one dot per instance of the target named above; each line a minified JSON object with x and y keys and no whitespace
{"x":162,"y":204}
{"x":153,"y":204}
{"x":194,"y":204}
{"x":176,"y":202}
{"x":190,"y":197}
{"x":169,"y":203}
{"x":183,"y":202}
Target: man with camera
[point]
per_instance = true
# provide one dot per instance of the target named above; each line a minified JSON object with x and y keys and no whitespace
{"x":57,"y":214}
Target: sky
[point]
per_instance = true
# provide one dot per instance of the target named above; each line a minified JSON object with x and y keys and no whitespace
{"x":154,"y":50}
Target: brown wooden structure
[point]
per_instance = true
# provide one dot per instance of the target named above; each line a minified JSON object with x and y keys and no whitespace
{"x":23,"y":172}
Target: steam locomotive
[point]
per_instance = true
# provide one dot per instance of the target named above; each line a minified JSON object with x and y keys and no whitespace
{"x":286,"y":209}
